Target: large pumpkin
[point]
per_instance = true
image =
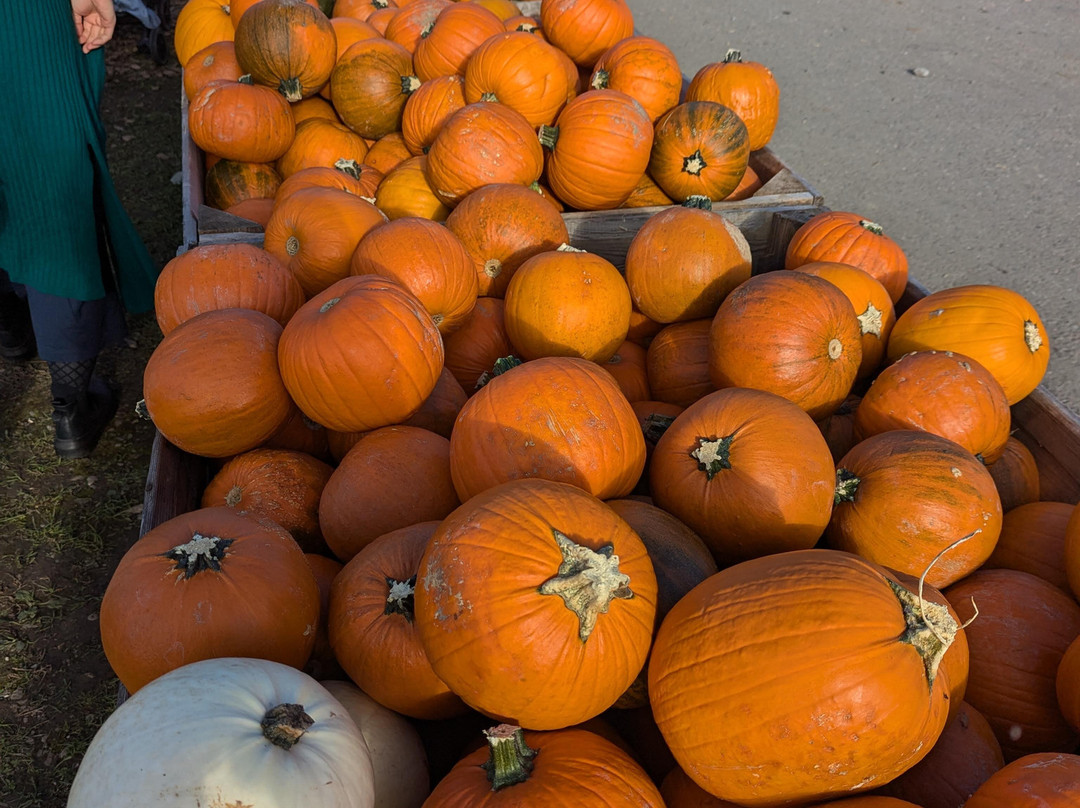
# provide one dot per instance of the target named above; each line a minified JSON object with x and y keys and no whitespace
{"x":847,"y":238}
{"x":521,"y":71}
{"x":700,"y":148}
{"x":373,"y":631}
{"x":600,"y":146}
{"x":567,"y":302}
{"x":212,"y":386}
{"x":236,"y":120}
{"x":746,"y":470}
{"x":790,"y":334}
{"x":370,"y":86}
{"x":224,"y":276}
{"x":428,"y":260}
{"x":748,"y":88}
{"x":208,"y":583}
{"x":557,"y":418}
{"x":995,"y":326}
{"x":584,"y":29}
{"x":215,"y":61}
{"x":362,"y":354}
{"x":644,"y":68}
{"x":750,"y":725}
{"x":251,"y":732}
{"x":904,"y":496}
{"x":229,"y":182}
{"x":566,"y":767}
{"x":683,"y":262}
{"x":535,"y":602}
{"x":288,"y":45}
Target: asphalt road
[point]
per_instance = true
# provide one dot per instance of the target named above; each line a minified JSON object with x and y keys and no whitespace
{"x":974,"y":169}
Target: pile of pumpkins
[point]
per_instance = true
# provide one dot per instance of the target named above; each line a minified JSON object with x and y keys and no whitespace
{"x":424,"y":104}
{"x":493,"y":521}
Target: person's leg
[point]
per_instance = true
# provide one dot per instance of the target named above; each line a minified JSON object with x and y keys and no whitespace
{"x":70,"y":335}
{"x":16,"y":333}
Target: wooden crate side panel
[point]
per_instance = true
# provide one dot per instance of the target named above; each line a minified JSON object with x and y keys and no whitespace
{"x":174,"y":483}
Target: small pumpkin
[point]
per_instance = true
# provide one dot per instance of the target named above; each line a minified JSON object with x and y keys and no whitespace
{"x":370,"y":85}
{"x":847,"y":238}
{"x":319,"y":142}
{"x":440,"y":409}
{"x":321,"y":663}
{"x":748,"y":88}
{"x":457,"y":33}
{"x":216,"y":61}
{"x":405,"y":191}
{"x":585,"y":29}
{"x":239,"y":121}
{"x":700,"y":148}
{"x":646,"y":194}
{"x":229,"y":182}
{"x":288,"y":45}
{"x":644,"y":68}
{"x":313,"y":107}
{"x":427,"y":109}
{"x":521,"y":71}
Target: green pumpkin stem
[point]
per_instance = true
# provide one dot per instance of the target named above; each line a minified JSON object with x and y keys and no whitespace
{"x":548,"y":135}
{"x":847,"y":485}
{"x":712,"y":455}
{"x":200,"y":554}
{"x":500,"y":367}
{"x":873,"y":227}
{"x":285,"y":725}
{"x":733,"y":55}
{"x":291,"y":89}
{"x":600,"y":80}
{"x":490,"y":97}
{"x":698,"y":202}
{"x":346,"y":166}
{"x":511,"y":760}
{"x":409,"y":85}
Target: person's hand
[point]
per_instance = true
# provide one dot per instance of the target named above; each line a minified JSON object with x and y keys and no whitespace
{"x":94,"y":22}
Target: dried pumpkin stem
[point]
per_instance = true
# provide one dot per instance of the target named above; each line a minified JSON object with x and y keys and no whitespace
{"x":200,"y":554}
{"x":847,"y":484}
{"x":871,"y":320}
{"x":713,"y":455}
{"x":600,"y":80}
{"x":873,"y":227}
{"x":409,"y":85}
{"x":548,"y":135}
{"x":285,"y":724}
{"x":587,"y":581}
{"x":350,"y":167}
{"x":235,"y":496}
{"x":933,"y":561}
{"x":493,"y":267}
{"x":655,"y":426}
{"x":489,"y":97}
{"x":694,"y":164}
{"x":399,"y":598}
{"x":291,"y":89}
{"x":733,"y":55}
{"x":1032,"y":337}
{"x":698,"y":202}
{"x":511,"y":760}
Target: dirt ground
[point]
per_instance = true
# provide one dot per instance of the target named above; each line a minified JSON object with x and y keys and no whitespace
{"x":65,"y":524}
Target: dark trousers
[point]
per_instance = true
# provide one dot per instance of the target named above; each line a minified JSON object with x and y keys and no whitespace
{"x":69,"y":330}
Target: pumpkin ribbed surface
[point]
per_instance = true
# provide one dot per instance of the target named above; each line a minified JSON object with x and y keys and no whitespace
{"x":229,"y":182}
{"x":472,"y":350}
{"x":215,"y":61}
{"x":1015,"y":475}
{"x":458,"y":31}
{"x":1033,"y":540}
{"x":427,"y":110}
{"x":288,"y":45}
{"x":854,"y":701}
{"x":405,"y":191}
{"x":319,"y":142}
{"x":643,"y":68}
{"x":1041,"y":780}
{"x":584,"y":29}
{"x":370,"y":86}
{"x":199,"y":25}
{"x":700,"y":148}
{"x":747,"y":88}
{"x":678,"y":363}
{"x":536,"y":602}
{"x":242,"y":122}
{"x":521,"y":71}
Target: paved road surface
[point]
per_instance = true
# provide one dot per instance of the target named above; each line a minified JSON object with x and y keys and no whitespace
{"x":974,"y":169}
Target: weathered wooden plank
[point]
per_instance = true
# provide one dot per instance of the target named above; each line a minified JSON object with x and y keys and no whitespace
{"x":174,"y":483}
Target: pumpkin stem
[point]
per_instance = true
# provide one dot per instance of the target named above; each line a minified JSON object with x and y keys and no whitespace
{"x":873,"y":227}
{"x":246,"y":79}
{"x":655,"y":426}
{"x":847,"y":485}
{"x":285,"y":724}
{"x":930,"y":628}
{"x":199,"y":554}
{"x":712,"y":455}
{"x":694,"y":164}
{"x":426,"y":30}
{"x":489,"y":97}
{"x":493,"y":267}
{"x":922,"y":581}
{"x":350,"y":167}
{"x":235,"y":495}
{"x":409,"y":84}
{"x":400,"y":597}
{"x":500,"y":367}
{"x":380,"y":4}
{"x":698,"y":202}
{"x":836,"y":348}
{"x":600,"y":80}
{"x":587,"y":581}
{"x":291,"y":89}
{"x":511,"y":760}
{"x":329,"y":304}
{"x":870,"y":321}
{"x":1032,"y":336}
{"x":733,"y":55}
{"x":527,"y":27}
{"x":292,"y":245}
{"x":564,"y":247}
{"x":548,"y":135}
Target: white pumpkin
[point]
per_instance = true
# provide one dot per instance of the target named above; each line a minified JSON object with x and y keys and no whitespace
{"x":196,"y":736}
{"x":397,"y":753}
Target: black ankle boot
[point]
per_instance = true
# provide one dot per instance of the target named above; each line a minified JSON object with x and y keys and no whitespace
{"x":79,"y":423}
{"x":16,"y":333}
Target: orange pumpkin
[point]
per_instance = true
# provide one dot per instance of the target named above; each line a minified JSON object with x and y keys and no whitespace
{"x":288,"y":45}
{"x":643,"y":68}
{"x":237,"y":8}
{"x":627,"y":367}
{"x":749,"y":185}
{"x":387,"y":153}
{"x":319,"y":142}
{"x":1067,"y":684}
{"x":678,"y":363}
{"x":502,"y":225}
{"x":313,"y":107}
{"x":281,"y":486}
{"x":428,"y":260}
{"x":748,"y":88}
{"x":200,"y":24}
{"x":209,"y":277}
{"x":521,"y":71}
{"x":797,"y":337}
{"x":1040,"y":780}
{"x":212,"y":386}
{"x":1033,"y":540}
{"x":353,"y":178}
{"x":847,"y":238}
{"x":939,"y":392}
{"x":839,"y":428}
{"x":301,"y":434}
{"x":314,"y":232}
{"x":503,"y":9}
{"x":872,"y":304}
{"x":360,"y":355}
{"x":684,"y":261}
{"x":349,"y":31}
{"x":1072,"y":552}
{"x":564,"y":767}
{"x":413,"y":22}
{"x":440,"y":410}
{"x":700,"y":148}
{"x":556,"y":418}
{"x":380,"y":19}
{"x":256,"y":209}
{"x":229,"y":182}
{"x":373,"y":632}
{"x":1014,"y":654}
{"x":370,"y":85}
{"x":361,"y":9}
{"x":995,"y":326}
{"x":239,"y":121}
{"x":525,"y":574}
{"x":585,"y":29}
{"x":725,"y":468}
{"x":208,"y":583}
{"x":765,"y":733}
{"x":427,"y":110}
{"x":322,"y":664}
{"x":405,"y":191}
{"x":1015,"y":475}
{"x":679,"y":791}
{"x":216,"y":61}
{"x":472,"y":350}
{"x":903,"y":497}
{"x":599,"y":148}
{"x":457,"y":33}
{"x":646,"y":194}
{"x":481,"y":144}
